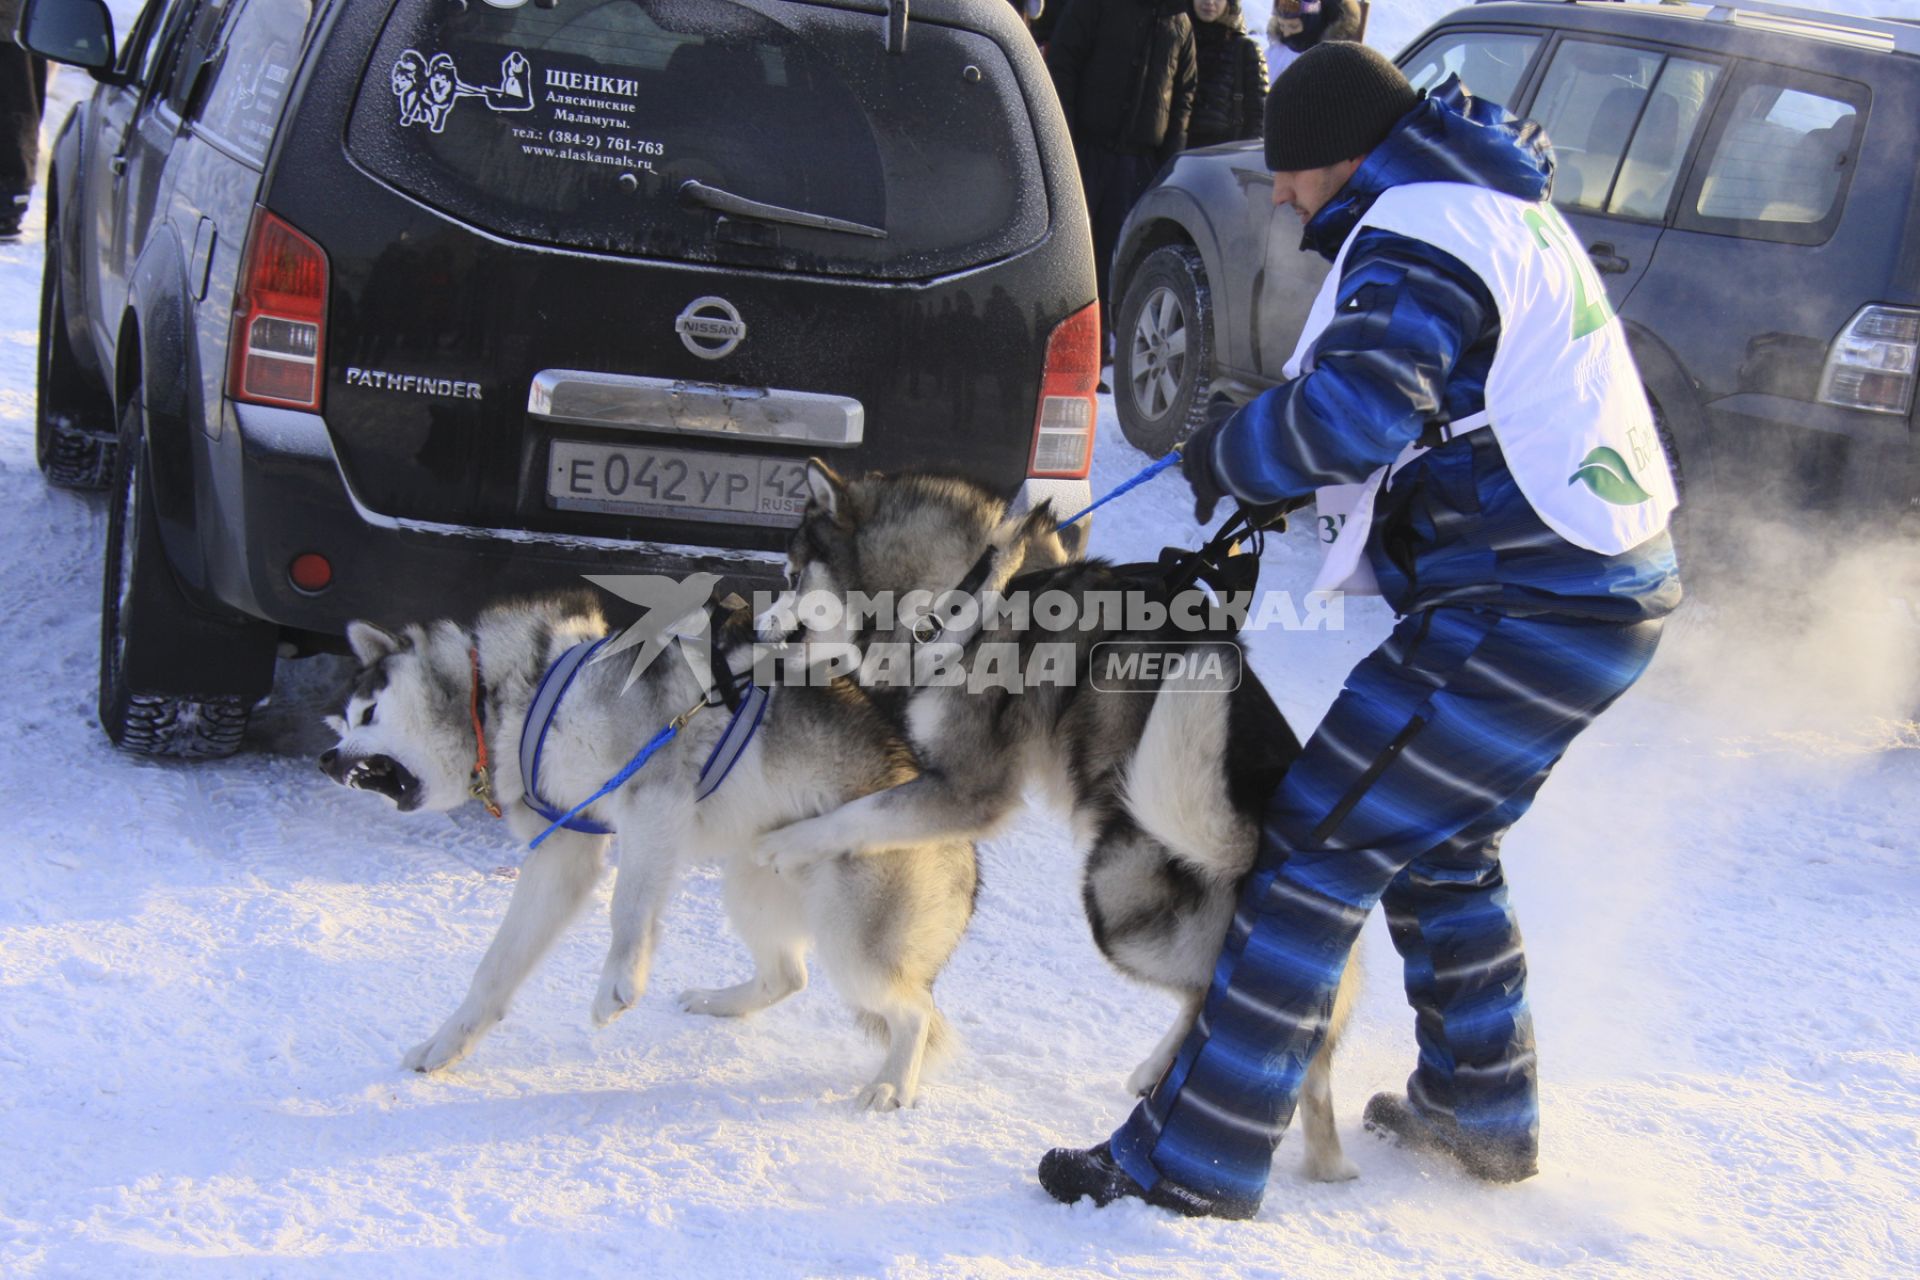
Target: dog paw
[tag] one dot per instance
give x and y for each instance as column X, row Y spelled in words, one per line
column 1320, row 1167
column 617, row 995
column 450, row 1044
column 1145, row 1076
column 792, row 862
column 881, row 1095
column 765, row 849
column 795, row 847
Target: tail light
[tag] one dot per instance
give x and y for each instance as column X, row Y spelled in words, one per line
column 280, row 317
column 1871, row 364
column 1063, row 428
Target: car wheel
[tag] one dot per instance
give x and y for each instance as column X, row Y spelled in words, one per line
column 1683, row 526
column 141, row 611
column 1163, row 364
column 72, row 421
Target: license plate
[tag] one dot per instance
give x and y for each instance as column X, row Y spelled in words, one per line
column 682, row 484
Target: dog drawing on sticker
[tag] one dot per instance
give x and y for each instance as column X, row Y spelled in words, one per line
column 408, row 79
column 443, row 89
column 428, row 87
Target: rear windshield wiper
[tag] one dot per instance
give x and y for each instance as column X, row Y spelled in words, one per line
column 727, row 202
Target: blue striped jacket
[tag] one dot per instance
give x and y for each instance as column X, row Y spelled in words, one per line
column 1412, row 340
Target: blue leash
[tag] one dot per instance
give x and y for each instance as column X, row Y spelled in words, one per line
column 632, row 767
column 1146, row 474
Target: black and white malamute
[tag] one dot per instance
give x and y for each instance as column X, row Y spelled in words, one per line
column 1164, row 779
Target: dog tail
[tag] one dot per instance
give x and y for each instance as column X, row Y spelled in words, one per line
column 1176, row 788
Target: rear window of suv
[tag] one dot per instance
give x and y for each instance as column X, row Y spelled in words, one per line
column 707, row 131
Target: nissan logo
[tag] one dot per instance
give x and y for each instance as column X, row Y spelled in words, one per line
column 711, row 327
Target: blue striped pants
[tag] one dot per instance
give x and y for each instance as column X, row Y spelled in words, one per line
column 1436, row 745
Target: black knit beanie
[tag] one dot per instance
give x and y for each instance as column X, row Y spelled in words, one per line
column 1333, row 102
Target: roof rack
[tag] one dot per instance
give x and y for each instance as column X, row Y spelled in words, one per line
column 1904, row 35
column 1905, row 38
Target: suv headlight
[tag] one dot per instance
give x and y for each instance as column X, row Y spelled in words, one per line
column 1871, row 364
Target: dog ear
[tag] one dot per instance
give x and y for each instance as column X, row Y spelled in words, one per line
column 1022, row 541
column 371, row 642
column 1039, row 522
column 826, row 492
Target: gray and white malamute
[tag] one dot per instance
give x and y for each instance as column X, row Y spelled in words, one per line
column 885, row 925
column 1164, row 781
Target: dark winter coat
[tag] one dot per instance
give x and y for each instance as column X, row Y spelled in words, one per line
column 1125, row 72
column 1411, row 342
column 1230, row 101
column 1336, row 20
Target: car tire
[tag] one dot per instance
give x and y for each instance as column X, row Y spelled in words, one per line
column 1685, row 526
column 73, row 418
column 142, row 611
column 1163, row 361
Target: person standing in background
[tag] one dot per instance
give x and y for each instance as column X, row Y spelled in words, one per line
column 1298, row 25
column 1231, row 101
column 23, row 94
column 1126, row 73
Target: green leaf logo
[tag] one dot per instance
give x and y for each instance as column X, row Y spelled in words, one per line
column 1605, row 472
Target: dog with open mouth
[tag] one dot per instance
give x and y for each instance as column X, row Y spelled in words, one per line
column 436, row 717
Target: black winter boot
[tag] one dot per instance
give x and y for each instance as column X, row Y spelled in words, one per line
column 1068, row 1173
column 1393, row 1115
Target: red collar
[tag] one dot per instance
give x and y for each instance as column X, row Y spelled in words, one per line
column 480, row 781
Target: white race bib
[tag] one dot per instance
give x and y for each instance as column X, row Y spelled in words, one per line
column 1343, row 514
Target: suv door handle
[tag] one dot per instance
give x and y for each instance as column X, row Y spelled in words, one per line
column 1606, row 261
column 118, row 165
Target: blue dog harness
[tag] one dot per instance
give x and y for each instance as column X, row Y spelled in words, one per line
column 539, row 720
column 546, row 701
column 733, row 740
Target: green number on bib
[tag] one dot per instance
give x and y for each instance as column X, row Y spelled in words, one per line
column 1589, row 312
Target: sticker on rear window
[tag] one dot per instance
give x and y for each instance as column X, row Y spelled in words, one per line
column 428, row 87
column 591, row 114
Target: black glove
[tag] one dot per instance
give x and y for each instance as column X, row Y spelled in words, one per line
column 1196, row 458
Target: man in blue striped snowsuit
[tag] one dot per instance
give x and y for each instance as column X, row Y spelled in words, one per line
column 1513, row 637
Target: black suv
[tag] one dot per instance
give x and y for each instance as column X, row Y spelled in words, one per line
column 1742, row 176
column 388, row 307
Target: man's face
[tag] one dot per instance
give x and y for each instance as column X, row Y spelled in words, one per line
column 1308, row 190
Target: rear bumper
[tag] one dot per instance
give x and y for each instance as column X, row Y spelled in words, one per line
column 1821, row 455
column 277, row 492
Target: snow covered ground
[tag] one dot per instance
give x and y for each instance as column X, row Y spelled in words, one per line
column 208, row 974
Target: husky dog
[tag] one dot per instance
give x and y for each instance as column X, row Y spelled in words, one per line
column 885, row 925
column 1165, row 782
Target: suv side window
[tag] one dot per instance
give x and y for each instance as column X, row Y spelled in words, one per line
column 254, row 66
column 153, row 32
column 142, row 44
column 1779, row 158
column 1492, row 64
column 202, row 34
column 1590, row 102
column 1661, row 139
